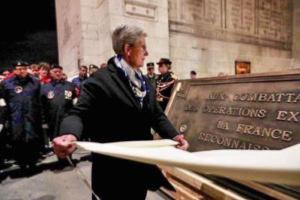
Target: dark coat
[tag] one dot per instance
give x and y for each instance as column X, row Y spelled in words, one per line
column 24, row 116
column 107, row 106
column 57, row 100
column 165, row 84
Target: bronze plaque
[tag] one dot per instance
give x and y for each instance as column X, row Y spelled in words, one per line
column 239, row 112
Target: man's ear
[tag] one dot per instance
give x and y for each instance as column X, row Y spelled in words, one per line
column 127, row 49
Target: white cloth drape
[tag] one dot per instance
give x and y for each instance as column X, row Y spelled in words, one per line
column 272, row 166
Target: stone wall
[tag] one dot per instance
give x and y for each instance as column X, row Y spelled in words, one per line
column 203, row 35
column 221, row 32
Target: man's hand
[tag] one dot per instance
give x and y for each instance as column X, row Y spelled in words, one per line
column 64, row 145
column 182, row 143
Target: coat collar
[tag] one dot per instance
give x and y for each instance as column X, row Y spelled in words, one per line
column 121, row 80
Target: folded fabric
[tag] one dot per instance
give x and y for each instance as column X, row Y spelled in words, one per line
column 272, row 166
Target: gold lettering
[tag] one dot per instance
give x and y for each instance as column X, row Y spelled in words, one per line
column 266, row 132
column 293, row 116
column 287, row 116
column 286, row 136
column 290, row 95
column 297, row 98
column 222, row 125
column 235, row 111
column 228, row 142
column 262, row 97
column 262, row 113
column 273, row 133
column 217, row 96
column 248, row 129
column 271, row 98
column 281, row 115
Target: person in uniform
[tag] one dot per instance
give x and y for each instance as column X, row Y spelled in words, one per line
column 151, row 74
column 57, row 98
column 165, row 82
column 77, row 81
column 92, row 69
column 21, row 94
column 124, row 102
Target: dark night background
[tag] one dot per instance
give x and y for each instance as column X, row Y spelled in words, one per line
column 28, row 32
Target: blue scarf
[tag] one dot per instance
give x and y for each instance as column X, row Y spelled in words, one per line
column 135, row 79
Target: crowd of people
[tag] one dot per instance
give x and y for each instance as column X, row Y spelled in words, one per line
column 34, row 98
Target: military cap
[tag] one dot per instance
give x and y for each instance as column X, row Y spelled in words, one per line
column 150, row 65
column 92, row 66
column 20, row 63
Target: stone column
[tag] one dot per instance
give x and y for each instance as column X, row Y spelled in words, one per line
column 68, row 20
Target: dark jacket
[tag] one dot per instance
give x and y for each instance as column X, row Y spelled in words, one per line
column 24, row 109
column 24, row 117
column 165, row 84
column 57, row 100
column 107, row 106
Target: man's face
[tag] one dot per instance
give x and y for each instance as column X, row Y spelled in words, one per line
column 162, row 68
column 136, row 54
column 21, row 71
column 56, row 74
column 43, row 73
column 82, row 72
column 35, row 72
column 150, row 70
column 5, row 73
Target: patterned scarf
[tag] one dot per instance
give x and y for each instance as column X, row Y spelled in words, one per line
column 135, row 79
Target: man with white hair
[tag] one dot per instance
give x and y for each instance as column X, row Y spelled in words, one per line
column 126, row 101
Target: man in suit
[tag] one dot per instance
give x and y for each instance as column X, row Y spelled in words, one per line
column 119, row 94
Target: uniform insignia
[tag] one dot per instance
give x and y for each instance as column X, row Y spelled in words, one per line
column 50, row 95
column 183, row 128
column 18, row 89
column 174, row 76
column 68, row 94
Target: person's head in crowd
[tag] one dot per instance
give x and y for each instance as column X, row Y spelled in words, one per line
column 103, row 65
column 164, row 65
column 129, row 42
column 150, row 68
column 64, row 77
column 6, row 73
column 56, row 72
column 92, row 69
column 34, row 70
column 44, row 70
column 193, row 74
column 83, row 70
column 21, row 69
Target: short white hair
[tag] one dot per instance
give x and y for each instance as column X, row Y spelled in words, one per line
column 125, row 34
